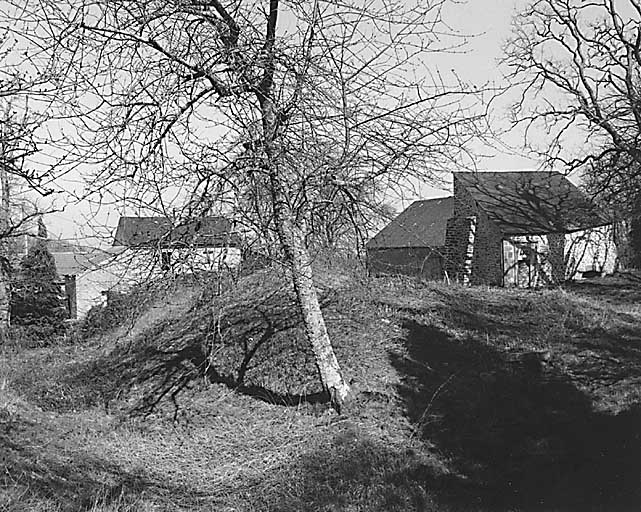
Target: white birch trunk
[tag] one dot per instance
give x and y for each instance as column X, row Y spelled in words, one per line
column 5, row 301
column 5, row 285
column 292, row 240
column 300, row 263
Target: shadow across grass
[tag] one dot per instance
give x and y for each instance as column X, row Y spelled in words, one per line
column 253, row 346
column 595, row 346
column 622, row 290
column 345, row 469
column 355, row 470
column 36, row 474
column 525, row 434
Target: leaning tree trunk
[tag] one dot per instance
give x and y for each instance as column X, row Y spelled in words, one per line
column 292, row 241
column 291, row 236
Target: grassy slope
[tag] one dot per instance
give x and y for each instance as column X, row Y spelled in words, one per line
column 467, row 399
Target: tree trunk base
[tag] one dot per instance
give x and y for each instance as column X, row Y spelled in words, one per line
column 341, row 397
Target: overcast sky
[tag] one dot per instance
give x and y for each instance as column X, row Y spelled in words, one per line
column 490, row 23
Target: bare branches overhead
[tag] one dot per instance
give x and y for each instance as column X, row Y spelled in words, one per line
column 578, row 66
column 292, row 116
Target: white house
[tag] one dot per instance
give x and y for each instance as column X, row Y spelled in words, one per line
column 146, row 248
column 73, row 263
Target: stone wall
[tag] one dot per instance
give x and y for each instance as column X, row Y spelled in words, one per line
column 460, row 240
column 556, row 257
column 487, row 259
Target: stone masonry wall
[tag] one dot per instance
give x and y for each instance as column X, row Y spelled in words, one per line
column 487, row 261
column 460, row 238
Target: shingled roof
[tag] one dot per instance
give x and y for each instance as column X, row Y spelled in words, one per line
column 161, row 232
column 422, row 224
column 532, row 202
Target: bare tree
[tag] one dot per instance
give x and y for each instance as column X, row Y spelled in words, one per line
column 20, row 188
column 577, row 68
column 20, row 183
column 289, row 112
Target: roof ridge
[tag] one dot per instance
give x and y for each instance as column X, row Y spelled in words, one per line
column 511, row 171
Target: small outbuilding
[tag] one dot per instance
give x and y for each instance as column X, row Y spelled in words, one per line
column 523, row 228
column 72, row 266
column 414, row 242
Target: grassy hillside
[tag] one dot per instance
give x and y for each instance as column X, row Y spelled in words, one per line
column 467, row 399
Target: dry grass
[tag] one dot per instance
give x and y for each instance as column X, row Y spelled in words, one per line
column 467, row 399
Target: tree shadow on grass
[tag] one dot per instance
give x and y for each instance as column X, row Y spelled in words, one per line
column 523, row 433
column 253, row 347
column 36, row 475
column 597, row 348
column 353, row 470
column 346, row 470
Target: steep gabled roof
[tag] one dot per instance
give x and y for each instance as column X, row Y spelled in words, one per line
column 531, row 202
column 161, row 232
column 422, row 224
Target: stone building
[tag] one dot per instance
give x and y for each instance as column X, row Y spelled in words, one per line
column 526, row 228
